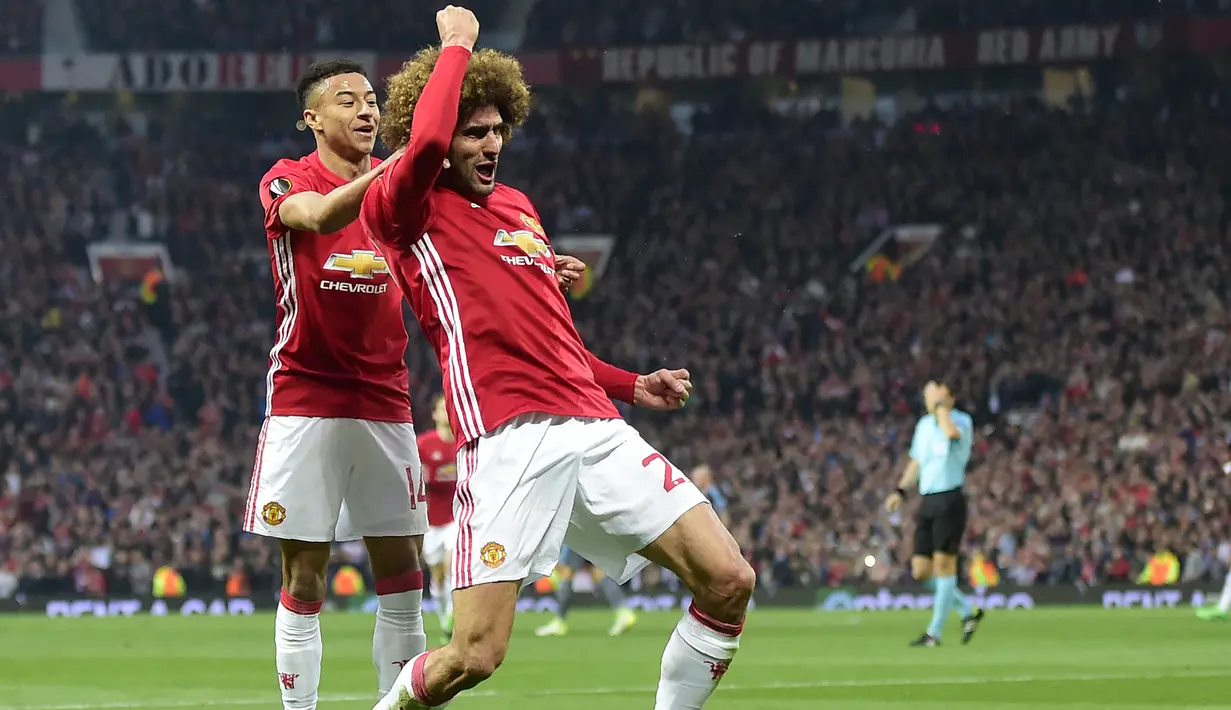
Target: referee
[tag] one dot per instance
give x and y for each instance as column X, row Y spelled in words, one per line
column 939, row 452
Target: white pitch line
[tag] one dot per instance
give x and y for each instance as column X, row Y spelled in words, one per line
column 728, row 687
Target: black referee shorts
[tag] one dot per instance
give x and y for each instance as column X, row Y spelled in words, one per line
column 940, row 522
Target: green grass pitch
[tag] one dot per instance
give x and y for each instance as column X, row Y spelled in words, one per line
column 1074, row 659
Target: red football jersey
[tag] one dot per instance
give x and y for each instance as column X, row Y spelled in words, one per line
column 439, row 465
column 480, row 277
column 340, row 343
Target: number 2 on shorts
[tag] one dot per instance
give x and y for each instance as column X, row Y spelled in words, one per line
column 669, row 479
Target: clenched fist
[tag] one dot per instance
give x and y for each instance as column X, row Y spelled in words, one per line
column 664, row 390
column 568, row 270
column 458, row 27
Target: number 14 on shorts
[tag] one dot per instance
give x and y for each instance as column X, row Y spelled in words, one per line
column 416, row 496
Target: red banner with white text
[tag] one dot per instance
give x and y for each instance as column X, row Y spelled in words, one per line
column 868, row 55
column 161, row 72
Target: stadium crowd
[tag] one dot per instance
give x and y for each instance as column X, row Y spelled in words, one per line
column 1077, row 302
column 21, row 27
column 313, row 25
column 556, row 23
column 278, row 25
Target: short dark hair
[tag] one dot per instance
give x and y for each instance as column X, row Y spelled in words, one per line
column 320, row 71
column 944, row 384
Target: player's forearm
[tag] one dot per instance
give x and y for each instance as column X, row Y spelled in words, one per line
column 618, row 384
column 328, row 213
column 944, row 419
column 909, row 476
column 431, row 129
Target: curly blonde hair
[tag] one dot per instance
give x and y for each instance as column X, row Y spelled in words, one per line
column 492, row 79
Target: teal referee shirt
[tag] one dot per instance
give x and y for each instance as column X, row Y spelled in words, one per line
column 942, row 461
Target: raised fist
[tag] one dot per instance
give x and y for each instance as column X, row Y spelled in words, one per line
column 458, row 27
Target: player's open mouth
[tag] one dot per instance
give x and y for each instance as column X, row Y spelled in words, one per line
column 486, row 172
column 366, row 131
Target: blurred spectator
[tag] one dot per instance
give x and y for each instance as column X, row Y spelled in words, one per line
column 21, row 26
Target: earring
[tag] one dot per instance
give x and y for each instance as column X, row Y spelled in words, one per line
column 446, row 163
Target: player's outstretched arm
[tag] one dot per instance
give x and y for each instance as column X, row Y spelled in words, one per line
column 410, row 179
column 662, row 390
column 309, row 211
column 618, row 384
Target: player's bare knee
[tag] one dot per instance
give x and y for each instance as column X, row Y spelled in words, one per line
column 945, row 565
column 392, row 556
column 728, row 588
column 921, row 568
column 303, row 581
column 304, row 566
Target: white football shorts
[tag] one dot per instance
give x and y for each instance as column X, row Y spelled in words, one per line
column 539, row 482
column 439, row 542
column 322, row 479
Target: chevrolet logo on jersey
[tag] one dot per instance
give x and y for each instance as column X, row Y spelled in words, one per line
column 360, row 264
column 524, row 240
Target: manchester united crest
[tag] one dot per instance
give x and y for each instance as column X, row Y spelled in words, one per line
column 533, row 224
column 492, row 554
column 273, row 514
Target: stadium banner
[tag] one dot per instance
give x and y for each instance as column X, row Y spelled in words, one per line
column 128, row 261
column 594, row 250
column 73, row 607
column 894, row 249
column 184, row 606
column 1007, row 46
column 827, row 599
column 159, row 72
column 1011, row 597
column 182, row 71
